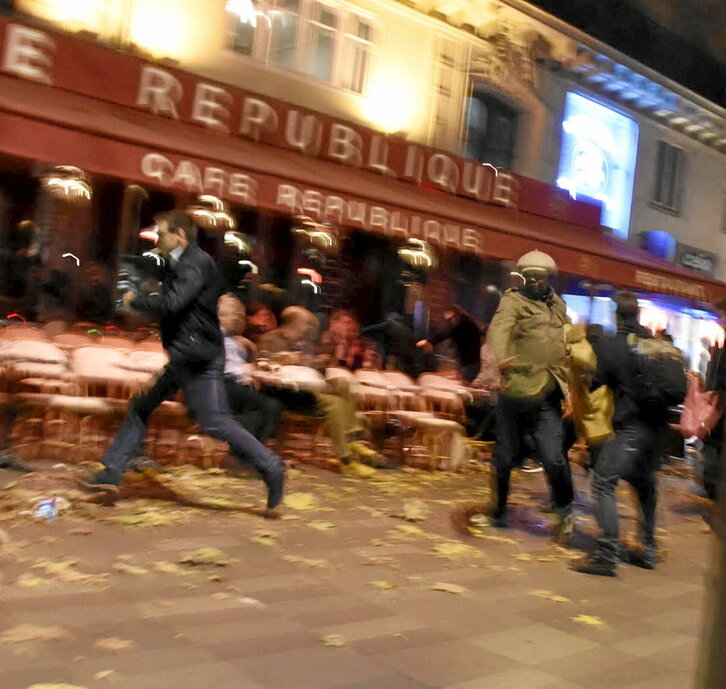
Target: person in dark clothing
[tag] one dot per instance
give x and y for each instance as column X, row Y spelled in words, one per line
column 714, row 442
column 186, row 308
column 633, row 453
column 464, row 333
column 397, row 340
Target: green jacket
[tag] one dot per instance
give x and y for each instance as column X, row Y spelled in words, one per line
column 528, row 340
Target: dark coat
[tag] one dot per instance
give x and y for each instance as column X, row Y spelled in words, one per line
column 616, row 368
column 466, row 338
column 186, row 308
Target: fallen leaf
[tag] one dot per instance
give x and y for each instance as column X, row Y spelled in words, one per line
column 169, row 568
column 149, row 518
column 415, row 510
column 56, row 686
column 103, row 674
column 448, row 588
column 411, row 529
column 265, row 539
column 589, row 620
column 301, row 501
column 222, row 595
column 321, row 526
column 523, row 557
column 334, row 640
column 386, row 585
column 29, row 581
column 126, row 568
column 455, row 549
column 113, row 643
column 379, row 542
column 24, row 633
column 205, row 556
column 310, row 562
column 549, row 595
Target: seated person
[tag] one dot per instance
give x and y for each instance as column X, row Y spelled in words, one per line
column 257, row 412
column 294, row 343
column 342, row 341
column 260, row 320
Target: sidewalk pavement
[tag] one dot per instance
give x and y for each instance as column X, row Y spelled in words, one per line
column 342, row 593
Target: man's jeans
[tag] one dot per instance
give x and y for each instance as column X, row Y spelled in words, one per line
column 206, row 401
column 632, row 454
column 543, row 421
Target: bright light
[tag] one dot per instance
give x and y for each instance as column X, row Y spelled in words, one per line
column 316, row 277
column 316, row 288
column 248, row 264
column 389, row 106
column 244, row 9
column 165, row 28
column 597, row 159
column 150, row 233
column 73, row 256
column 151, row 254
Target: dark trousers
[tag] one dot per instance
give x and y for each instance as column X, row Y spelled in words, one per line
column 481, row 419
column 207, row 404
column 260, row 414
column 632, row 454
column 712, row 459
column 542, row 420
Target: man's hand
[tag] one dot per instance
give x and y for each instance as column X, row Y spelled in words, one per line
column 425, row 345
column 127, row 298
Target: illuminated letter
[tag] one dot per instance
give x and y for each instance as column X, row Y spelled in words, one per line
column 157, row 166
column 452, row 235
column 188, row 175
column 506, row 190
column 334, row 208
column 303, row 132
column 215, row 181
column 244, row 188
column 357, row 212
column 345, row 145
column 475, row 181
column 470, row 240
column 257, row 117
column 414, row 164
column 432, row 231
column 207, row 109
column 312, row 202
column 159, row 91
column 26, row 54
column 379, row 219
column 289, row 197
column 378, row 155
column 442, row 171
column 399, row 224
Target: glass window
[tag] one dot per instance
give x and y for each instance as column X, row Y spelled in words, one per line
column 241, row 25
column 322, row 26
column 284, row 29
column 668, row 177
column 491, row 131
column 359, row 54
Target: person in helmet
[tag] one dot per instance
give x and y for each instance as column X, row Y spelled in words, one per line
column 526, row 335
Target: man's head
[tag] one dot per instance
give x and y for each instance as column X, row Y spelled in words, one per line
column 626, row 307
column 176, row 230
column 231, row 314
column 536, row 269
column 300, row 323
column 343, row 324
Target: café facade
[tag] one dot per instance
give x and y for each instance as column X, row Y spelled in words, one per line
column 127, row 122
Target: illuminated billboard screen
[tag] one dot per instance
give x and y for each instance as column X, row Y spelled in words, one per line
column 597, row 159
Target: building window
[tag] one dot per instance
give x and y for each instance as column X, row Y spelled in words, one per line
column 491, row 130
column 326, row 42
column 668, row 178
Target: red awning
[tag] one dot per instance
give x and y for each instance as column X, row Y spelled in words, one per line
column 43, row 123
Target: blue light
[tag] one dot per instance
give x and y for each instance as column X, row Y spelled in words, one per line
column 597, row 158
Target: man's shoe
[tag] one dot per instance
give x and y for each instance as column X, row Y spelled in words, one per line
column 142, row 463
column 275, row 482
column 645, row 558
column 105, row 484
column 564, row 527
column 529, row 466
column 499, row 522
column 353, row 468
column 594, row 565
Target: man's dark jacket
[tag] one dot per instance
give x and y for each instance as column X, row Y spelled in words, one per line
column 466, row 337
column 617, row 368
column 186, row 308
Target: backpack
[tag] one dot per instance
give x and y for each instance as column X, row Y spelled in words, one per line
column 659, row 380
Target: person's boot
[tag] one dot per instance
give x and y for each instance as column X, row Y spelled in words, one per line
column 595, row 565
column 645, row 557
column 143, row 463
column 106, row 484
column 275, row 481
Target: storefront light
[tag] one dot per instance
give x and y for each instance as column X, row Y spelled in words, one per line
column 212, row 214
column 319, row 235
column 244, row 9
column 389, row 106
column 418, row 254
column 68, row 183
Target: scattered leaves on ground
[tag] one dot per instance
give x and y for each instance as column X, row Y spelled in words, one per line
column 549, row 595
column 113, row 643
column 589, row 620
column 126, row 568
column 385, row 585
column 148, row 518
column 310, row 562
column 205, row 556
column 410, row 529
column 455, row 549
column 334, row 640
column 103, row 674
column 56, row 686
column 301, row 501
column 415, row 510
column 321, row 525
column 448, row 588
column 24, row 633
column 265, row 539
